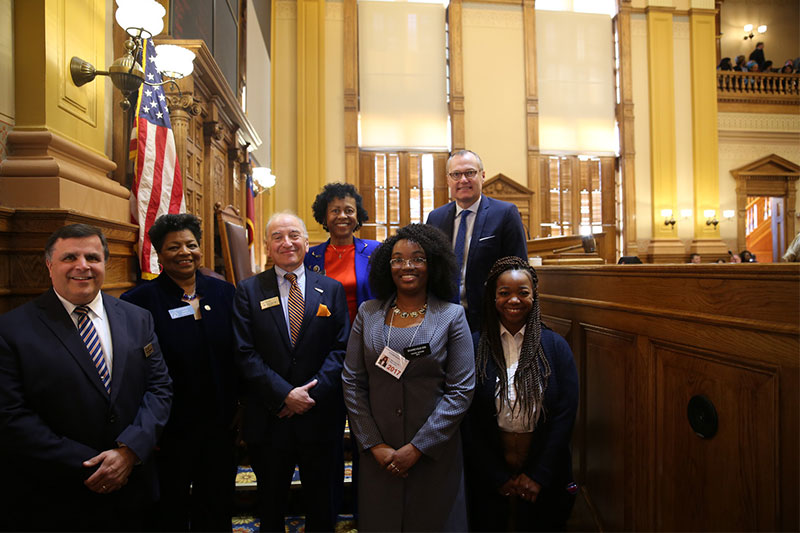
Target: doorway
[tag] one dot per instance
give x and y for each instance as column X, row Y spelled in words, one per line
column 765, row 233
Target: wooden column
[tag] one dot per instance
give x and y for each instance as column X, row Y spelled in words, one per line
column 532, row 116
column 455, row 33
column 626, row 121
column 350, row 53
column 310, row 108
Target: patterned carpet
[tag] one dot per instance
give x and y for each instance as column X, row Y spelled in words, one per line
column 245, row 523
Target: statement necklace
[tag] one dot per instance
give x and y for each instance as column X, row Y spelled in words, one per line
column 413, row 314
column 190, row 297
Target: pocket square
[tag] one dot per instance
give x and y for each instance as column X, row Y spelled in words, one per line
column 323, row 310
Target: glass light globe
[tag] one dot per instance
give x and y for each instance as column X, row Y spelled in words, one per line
column 141, row 14
column 174, row 61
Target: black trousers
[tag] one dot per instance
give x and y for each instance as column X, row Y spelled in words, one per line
column 490, row 511
column 197, row 479
column 321, row 474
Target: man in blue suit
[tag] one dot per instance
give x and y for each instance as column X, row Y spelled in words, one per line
column 84, row 395
column 482, row 229
column 290, row 328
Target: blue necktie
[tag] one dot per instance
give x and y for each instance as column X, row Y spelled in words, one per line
column 92, row 341
column 461, row 241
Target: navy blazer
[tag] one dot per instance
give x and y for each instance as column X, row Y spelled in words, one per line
column 198, row 353
column 55, row 412
column 497, row 232
column 549, row 461
column 271, row 367
column 315, row 260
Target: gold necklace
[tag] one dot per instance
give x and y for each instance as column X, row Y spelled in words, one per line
column 335, row 249
column 413, row 314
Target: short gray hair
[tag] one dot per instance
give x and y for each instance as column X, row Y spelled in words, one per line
column 462, row 153
column 286, row 213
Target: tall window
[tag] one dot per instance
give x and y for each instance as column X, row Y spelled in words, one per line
column 400, row 188
column 580, row 195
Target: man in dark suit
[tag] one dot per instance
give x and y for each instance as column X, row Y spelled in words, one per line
column 84, row 394
column 291, row 328
column 482, row 229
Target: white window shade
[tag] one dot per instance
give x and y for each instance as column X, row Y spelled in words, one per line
column 402, row 76
column 575, row 68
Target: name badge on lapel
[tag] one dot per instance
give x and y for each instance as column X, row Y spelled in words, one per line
column 270, row 302
column 178, row 312
column 420, row 350
column 148, row 350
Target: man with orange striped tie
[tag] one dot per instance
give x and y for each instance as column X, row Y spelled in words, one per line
column 291, row 327
column 84, row 395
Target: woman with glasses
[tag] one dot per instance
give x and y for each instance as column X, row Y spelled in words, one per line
column 343, row 257
column 408, row 380
column 518, row 431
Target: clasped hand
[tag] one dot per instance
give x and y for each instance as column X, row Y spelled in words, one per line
column 396, row 462
column 112, row 474
column 522, row 486
column 298, row 400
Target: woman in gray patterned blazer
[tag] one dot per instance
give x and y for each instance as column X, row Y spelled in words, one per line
column 408, row 380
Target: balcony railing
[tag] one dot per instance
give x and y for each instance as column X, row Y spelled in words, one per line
column 774, row 90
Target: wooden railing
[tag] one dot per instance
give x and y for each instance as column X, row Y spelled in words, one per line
column 763, row 88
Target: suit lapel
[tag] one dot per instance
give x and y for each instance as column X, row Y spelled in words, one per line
column 268, row 282
column 55, row 318
column 311, row 301
column 449, row 221
column 477, row 228
column 120, row 340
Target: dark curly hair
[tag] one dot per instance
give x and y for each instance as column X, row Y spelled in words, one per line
column 169, row 223
column 530, row 379
column 338, row 190
column 441, row 262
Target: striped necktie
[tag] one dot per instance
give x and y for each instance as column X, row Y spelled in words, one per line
column 295, row 307
column 92, row 341
column 458, row 250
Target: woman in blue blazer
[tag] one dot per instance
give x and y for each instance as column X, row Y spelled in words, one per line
column 519, row 427
column 343, row 257
column 193, row 322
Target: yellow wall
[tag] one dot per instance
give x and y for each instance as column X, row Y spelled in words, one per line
column 6, row 71
column 494, row 88
column 334, row 92
column 284, row 158
column 50, row 32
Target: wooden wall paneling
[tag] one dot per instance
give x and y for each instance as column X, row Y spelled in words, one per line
column 441, row 192
column 404, row 192
column 739, row 333
column 696, row 479
column 625, row 119
column 609, row 200
column 532, row 114
column 608, row 376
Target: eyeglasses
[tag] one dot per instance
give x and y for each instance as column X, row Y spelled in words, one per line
column 415, row 262
column 469, row 174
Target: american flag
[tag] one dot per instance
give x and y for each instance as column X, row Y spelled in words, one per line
column 250, row 213
column 157, row 184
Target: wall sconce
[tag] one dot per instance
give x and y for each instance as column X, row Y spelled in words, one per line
column 263, row 178
column 669, row 220
column 141, row 19
column 748, row 30
column 711, row 218
column 728, row 214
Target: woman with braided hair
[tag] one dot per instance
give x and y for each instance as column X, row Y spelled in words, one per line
column 518, row 430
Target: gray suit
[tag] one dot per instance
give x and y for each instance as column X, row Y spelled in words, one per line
column 425, row 407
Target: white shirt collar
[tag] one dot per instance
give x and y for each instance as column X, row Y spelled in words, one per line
column 473, row 207
column 299, row 272
column 95, row 305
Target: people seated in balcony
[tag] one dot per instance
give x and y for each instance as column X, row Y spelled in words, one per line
column 725, row 64
column 695, row 259
column 767, row 67
column 788, row 67
column 757, row 55
column 739, row 67
column 747, row 256
column 751, row 66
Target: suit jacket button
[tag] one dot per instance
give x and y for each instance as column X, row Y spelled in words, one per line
column 112, row 419
column 399, row 412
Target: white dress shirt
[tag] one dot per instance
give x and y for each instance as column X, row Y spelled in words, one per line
column 509, row 415
column 97, row 313
column 470, row 225
column 284, row 286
